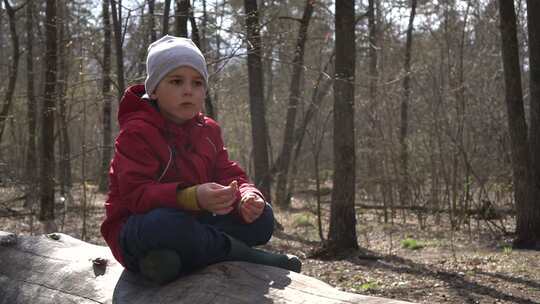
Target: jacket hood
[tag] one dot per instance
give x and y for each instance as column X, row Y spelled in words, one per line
column 134, row 107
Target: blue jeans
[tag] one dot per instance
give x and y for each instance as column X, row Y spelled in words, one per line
column 199, row 241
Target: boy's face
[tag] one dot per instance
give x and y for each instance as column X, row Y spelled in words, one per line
column 180, row 94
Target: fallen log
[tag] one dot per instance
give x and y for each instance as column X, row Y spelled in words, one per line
column 57, row 268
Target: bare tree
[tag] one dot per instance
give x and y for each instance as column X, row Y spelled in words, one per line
column 118, row 44
column 46, row 214
column 525, row 205
column 106, row 95
column 533, row 26
column 256, row 98
column 13, row 69
column 181, row 18
column 166, row 11
column 152, row 21
column 342, row 234
column 197, row 39
column 404, row 127
column 64, row 164
column 31, row 161
column 295, row 94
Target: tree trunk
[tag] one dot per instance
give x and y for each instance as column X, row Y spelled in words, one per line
column 371, row 157
column 106, row 95
column 533, row 9
column 526, row 236
column 118, row 43
column 152, row 21
column 13, row 69
column 31, row 149
column 256, row 98
column 282, row 195
column 46, row 214
column 342, row 234
column 404, row 190
column 196, row 37
column 166, row 11
column 64, row 165
column 60, row 269
column 181, row 18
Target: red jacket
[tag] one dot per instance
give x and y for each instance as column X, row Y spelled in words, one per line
column 153, row 157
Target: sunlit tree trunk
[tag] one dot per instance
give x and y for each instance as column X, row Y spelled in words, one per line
column 256, row 98
column 342, row 234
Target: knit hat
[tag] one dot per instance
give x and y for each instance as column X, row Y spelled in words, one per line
column 169, row 53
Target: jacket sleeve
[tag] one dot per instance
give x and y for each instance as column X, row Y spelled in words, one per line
column 137, row 165
column 226, row 170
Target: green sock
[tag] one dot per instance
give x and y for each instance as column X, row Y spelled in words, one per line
column 242, row 252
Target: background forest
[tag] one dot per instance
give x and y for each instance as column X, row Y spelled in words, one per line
column 367, row 113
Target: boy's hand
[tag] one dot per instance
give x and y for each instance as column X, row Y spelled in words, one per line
column 251, row 207
column 216, row 198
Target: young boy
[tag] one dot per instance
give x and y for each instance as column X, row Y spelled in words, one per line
column 176, row 202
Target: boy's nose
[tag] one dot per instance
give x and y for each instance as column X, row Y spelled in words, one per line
column 188, row 88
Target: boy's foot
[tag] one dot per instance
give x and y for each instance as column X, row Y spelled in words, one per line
column 242, row 252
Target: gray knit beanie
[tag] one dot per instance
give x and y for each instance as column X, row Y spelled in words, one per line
column 169, row 53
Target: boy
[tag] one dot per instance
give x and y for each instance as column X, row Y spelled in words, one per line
column 176, row 202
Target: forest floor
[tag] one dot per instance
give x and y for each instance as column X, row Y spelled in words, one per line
column 399, row 260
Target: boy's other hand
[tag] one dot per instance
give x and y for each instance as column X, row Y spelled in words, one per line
column 216, row 198
column 251, row 207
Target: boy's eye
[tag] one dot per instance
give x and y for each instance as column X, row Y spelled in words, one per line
column 176, row 81
column 198, row 83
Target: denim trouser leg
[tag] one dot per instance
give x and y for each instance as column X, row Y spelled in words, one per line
column 199, row 241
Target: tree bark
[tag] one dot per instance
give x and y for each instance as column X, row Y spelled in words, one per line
column 60, row 269
column 282, row 194
column 181, row 18
column 371, row 157
column 13, row 69
column 256, row 98
column 197, row 39
column 46, row 213
column 64, row 165
column 106, row 95
column 525, row 234
column 166, row 11
column 118, row 43
column 152, row 21
column 31, row 149
column 342, row 234
column 404, row 191
column 533, row 11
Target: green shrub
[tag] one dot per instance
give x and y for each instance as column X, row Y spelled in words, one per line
column 303, row 220
column 411, row 244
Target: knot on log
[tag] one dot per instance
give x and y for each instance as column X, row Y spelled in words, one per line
column 7, row 238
